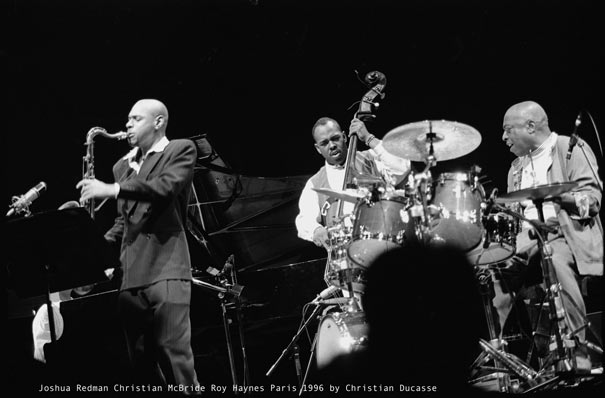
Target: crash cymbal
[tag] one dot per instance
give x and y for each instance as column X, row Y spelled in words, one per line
column 539, row 192
column 343, row 195
column 451, row 140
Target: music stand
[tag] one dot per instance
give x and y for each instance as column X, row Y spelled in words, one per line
column 53, row 251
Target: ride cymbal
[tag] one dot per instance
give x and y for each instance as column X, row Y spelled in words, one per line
column 450, row 140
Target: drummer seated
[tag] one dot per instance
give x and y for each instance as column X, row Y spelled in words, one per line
column 519, row 285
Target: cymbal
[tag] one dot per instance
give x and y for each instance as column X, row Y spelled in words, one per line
column 343, row 195
column 539, row 192
column 452, row 140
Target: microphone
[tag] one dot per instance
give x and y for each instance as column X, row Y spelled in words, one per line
column 21, row 203
column 574, row 137
column 327, row 292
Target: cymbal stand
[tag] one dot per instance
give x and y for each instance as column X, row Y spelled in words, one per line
column 563, row 338
column 564, row 359
column 419, row 211
column 421, row 184
column 495, row 349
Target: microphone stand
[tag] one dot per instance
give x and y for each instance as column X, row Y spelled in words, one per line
column 579, row 142
column 294, row 346
column 228, row 293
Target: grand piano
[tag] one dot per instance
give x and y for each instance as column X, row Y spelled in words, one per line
column 251, row 220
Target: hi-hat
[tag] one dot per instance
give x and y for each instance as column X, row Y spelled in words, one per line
column 450, row 140
column 539, row 192
column 343, row 195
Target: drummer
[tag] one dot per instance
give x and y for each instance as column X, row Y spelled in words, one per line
column 331, row 143
column 542, row 158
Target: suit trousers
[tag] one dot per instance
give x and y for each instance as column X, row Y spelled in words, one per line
column 158, row 332
column 567, row 276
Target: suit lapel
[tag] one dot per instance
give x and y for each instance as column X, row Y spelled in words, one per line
column 124, row 173
column 146, row 168
column 149, row 164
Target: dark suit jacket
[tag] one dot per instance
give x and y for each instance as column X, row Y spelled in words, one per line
column 152, row 208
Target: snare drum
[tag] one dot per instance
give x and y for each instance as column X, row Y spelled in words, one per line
column 458, row 203
column 379, row 227
column 340, row 333
column 499, row 240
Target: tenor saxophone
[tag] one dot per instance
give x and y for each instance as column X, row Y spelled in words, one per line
column 88, row 161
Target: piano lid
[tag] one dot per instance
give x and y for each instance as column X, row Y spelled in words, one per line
column 249, row 217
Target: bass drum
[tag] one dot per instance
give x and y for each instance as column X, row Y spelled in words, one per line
column 340, row 333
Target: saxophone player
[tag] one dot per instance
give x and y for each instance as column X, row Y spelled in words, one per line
column 152, row 187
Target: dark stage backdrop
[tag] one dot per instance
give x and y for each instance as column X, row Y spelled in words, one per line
column 254, row 75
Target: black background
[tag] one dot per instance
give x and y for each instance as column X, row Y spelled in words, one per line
column 255, row 75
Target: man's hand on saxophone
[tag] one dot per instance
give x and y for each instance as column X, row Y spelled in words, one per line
column 91, row 188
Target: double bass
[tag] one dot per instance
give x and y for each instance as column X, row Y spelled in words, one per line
column 377, row 82
column 339, row 271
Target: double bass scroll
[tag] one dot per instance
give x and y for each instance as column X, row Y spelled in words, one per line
column 376, row 81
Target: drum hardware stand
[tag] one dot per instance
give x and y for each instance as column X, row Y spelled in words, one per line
column 586, row 325
column 229, row 293
column 420, row 211
column 564, row 360
column 562, row 356
column 421, row 180
column 496, row 348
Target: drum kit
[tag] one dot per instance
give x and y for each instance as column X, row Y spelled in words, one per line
column 449, row 209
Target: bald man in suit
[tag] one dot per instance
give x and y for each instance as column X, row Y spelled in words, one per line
column 152, row 187
column 577, row 237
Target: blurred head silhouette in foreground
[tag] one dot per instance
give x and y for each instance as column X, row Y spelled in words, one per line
column 425, row 319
